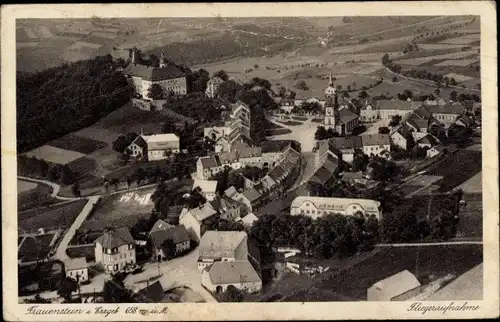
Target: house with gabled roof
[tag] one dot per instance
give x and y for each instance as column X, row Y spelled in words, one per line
column 229, row 258
column 115, row 249
column 153, row 293
column 427, row 141
column 208, row 188
column 177, row 234
column 154, row 147
column 193, row 219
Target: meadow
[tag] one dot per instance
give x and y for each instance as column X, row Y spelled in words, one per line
column 51, row 217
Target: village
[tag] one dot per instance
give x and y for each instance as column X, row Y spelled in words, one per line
column 209, row 187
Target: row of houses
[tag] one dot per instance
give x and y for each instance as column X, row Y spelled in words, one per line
column 445, row 112
column 234, row 130
column 242, row 155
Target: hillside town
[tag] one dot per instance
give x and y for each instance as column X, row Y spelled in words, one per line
column 197, row 186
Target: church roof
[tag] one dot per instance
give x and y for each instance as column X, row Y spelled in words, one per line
column 346, row 115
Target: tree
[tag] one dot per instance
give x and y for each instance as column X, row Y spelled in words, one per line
column 396, row 119
column 453, row 96
column 302, row 85
column 114, row 291
column 37, row 299
column 360, row 161
column 76, row 189
column 169, row 248
column 386, row 60
column 232, row 294
column 67, row 287
column 384, row 130
column 123, row 141
column 256, row 66
column 453, row 82
column 156, row 92
column 459, row 134
column 394, row 79
column 363, row 94
column 222, row 75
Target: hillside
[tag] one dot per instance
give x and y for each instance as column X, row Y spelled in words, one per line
column 63, row 99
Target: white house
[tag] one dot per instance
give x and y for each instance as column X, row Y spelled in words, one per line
column 435, row 151
column 115, row 249
column 208, row 188
column 77, row 269
column 375, row 143
column 398, row 287
column 194, row 218
column 226, row 258
column 154, row 147
column 316, row 207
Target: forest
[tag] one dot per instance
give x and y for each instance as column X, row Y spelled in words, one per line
column 63, row 99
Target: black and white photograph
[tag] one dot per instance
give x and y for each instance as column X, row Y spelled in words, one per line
column 329, row 158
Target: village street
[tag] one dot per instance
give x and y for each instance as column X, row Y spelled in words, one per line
column 181, row 271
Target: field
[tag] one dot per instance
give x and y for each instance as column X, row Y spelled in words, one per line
column 457, row 168
column 461, row 62
column 77, row 144
column 433, row 262
column 462, row 40
column 120, row 210
column 471, row 218
column 55, row 155
column 40, row 195
column 51, row 217
column 25, row 186
column 35, row 247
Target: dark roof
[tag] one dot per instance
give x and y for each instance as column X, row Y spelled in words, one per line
column 251, row 194
column 375, row 139
column 209, row 162
column 422, row 112
column 274, row 146
column 177, row 234
column 140, row 141
column 115, row 238
column 428, row 139
column 346, row 115
column 276, row 173
column 153, row 293
column 153, row 73
column 347, row 142
column 419, row 124
column 322, row 175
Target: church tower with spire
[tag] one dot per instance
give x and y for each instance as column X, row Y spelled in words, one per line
column 331, row 106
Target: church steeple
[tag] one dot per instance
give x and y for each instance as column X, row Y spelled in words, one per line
column 163, row 60
column 331, row 105
column 330, row 91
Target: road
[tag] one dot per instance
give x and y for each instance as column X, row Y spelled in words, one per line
column 181, row 271
column 63, row 245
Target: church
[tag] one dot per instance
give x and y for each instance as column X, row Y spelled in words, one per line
column 339, row 118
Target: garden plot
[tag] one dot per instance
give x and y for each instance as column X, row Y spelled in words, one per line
column 45, row 32
column 31, row 33
column 457, row 77
column 120, row 210
column 438, row 46
column 460, row 62
column 51, row 217
column 25, row 186
column 78, row 144
column 463, row 40
column 55, row 155
column 36, row 247
column 415, row 61
column 106, row 35
column 26, row 44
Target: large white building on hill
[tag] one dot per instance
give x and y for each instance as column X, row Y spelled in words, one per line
column 169, row 77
